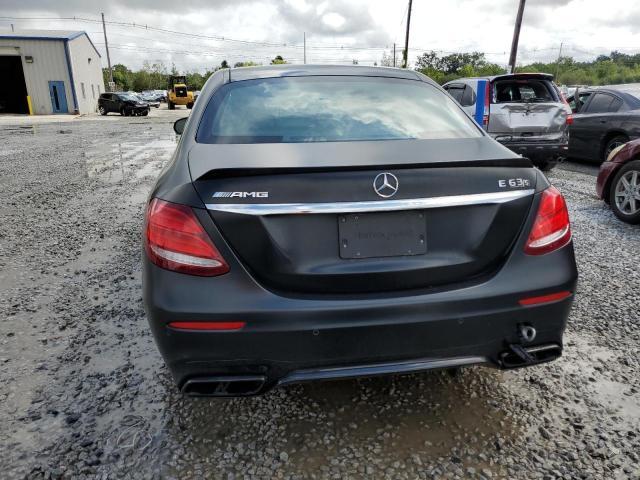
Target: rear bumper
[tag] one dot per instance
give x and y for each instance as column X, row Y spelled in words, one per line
column 551, row 152
column 288, row 340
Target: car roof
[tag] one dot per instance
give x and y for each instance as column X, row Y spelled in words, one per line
column 615, row 91
column 507, row 76
column 288, row 70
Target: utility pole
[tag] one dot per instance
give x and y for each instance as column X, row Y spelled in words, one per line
column 304, row 39
column 516, row 38
column 394, row 55
column 406, row 38
column 558, row 65
column 106, row 46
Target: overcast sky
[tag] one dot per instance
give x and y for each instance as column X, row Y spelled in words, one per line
column 336, row 29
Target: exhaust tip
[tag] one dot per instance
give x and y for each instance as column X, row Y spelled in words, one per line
column 514, row 358
column 224, row 386
column 527, row 333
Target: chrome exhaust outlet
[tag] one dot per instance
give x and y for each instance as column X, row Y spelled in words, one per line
column 223, row 386
column 519, row 356
column 527, row 333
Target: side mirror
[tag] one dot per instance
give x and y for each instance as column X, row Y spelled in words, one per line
column 178, row 125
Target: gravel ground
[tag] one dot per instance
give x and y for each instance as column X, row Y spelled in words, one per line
column 85, row 394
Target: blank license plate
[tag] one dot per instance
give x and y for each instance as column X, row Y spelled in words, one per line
column 382, row 234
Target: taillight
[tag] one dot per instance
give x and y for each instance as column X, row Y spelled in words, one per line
column 551, row 229
column 174, row 239
column 567, row 107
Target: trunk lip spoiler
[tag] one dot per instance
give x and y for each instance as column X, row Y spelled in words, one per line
column 261, row 209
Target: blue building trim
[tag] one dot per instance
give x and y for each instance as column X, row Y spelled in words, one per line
column 76, row 108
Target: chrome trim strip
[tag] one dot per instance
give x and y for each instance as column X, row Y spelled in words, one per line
column 371, row 206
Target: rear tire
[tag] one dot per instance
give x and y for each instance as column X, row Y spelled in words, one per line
column 171, row 105
column 102, row 110
column 190, row 105
column 615, row 142
column 624, row 194
column 145, row 113
column 123, row 112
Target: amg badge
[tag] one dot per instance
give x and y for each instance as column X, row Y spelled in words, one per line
column 240, row 194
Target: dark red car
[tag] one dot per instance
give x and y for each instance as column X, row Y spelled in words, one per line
column 619, row 181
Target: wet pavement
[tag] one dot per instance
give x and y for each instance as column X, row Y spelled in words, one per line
column 85, row 394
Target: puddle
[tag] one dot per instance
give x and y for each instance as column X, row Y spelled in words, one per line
column 615, row 396
column 128, row 161
column 7, row 153
column 30, row 129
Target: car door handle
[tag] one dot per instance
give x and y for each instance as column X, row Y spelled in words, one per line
column 603, row 121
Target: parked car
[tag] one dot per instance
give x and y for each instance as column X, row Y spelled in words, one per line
column 618, row 182
column 524, row 111
column 604, row 119
column 151, row 94
column 122, row 103
column 150, row 99
column 322, row 222
column 161, row 94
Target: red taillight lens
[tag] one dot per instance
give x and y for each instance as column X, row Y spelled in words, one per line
column 175, row 240
column 551, row 229
column 552, row 297
column 569, row 119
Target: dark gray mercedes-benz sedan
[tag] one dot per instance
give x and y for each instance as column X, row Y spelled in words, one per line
column 321, row 222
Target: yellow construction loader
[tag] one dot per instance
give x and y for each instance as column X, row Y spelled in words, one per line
column 178, row 94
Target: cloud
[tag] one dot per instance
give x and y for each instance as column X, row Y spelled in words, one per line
column 331, row 18
column 586, row 27
column 94, row 7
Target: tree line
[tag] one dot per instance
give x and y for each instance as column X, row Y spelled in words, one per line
column 611, row 69
column 614, row 68
column 155, row 76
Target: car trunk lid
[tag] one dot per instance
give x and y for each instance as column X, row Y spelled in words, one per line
column 394, row 219
column 526, row 107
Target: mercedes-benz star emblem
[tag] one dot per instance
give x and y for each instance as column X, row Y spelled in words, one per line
column 385, row 184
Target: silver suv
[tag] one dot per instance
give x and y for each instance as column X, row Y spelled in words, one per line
column 524, row 111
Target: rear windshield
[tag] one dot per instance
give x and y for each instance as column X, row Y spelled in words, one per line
column 331, row 109
column 523, row 90
column 128, row 96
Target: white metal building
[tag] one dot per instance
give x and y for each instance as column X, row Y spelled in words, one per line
column 49, row 71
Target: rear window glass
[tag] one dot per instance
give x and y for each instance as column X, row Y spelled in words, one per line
column 523, row 90
column 331, row 109
column 602, row 102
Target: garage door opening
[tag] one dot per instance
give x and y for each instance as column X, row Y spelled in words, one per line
column 13, row 94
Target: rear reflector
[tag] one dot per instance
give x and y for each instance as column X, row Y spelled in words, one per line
column 551, row 229
column 552, row 297
column 174, row 239
column 207, row 325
